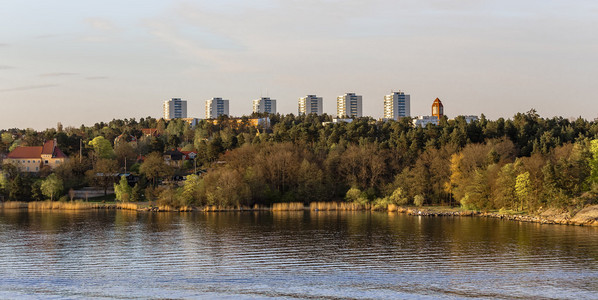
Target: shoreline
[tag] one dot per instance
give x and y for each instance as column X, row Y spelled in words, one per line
column 587, row 216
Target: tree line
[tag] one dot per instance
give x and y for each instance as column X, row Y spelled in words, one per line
column 523, row 163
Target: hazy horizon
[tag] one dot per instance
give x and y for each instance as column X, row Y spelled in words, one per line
column 80, row 62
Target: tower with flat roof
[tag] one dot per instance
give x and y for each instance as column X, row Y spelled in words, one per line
column 216, row 107
column 349, row 105
column 397, row 105
column 175, row 108
column 310, row 104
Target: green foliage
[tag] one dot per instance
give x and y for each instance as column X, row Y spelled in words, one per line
column 397, row 197
column 154, row 168
column 103, row 173
column 418, row 200
column 52, row 186
column 523, row 188
column 122, row 190
column 593, row 162
column 102, row 147
column 301, row 159
column 353, row 195
column 136, row 193
column 191, row 191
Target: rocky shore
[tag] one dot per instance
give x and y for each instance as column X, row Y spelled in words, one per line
column 585, row 217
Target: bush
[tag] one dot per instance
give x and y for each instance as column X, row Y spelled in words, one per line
column 398, row 198
column 353, row 195
column 418, row 200
column 170, row 197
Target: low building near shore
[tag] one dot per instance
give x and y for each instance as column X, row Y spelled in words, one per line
column 32, row 159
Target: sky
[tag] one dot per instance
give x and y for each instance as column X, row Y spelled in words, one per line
column 82, row 62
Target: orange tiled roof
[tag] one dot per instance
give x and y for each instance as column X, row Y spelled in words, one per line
column 49, row 148
column 25, row 152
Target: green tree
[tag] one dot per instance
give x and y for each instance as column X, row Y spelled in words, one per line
column 593, row 163
column 125, row 154
column 523, row 188
column 52, row 186
column 123, row 190
column 191, row 193
column 101, row 147
column 504, row 192
column 154, row 168
column 136, row 193
column 103, row 173
column 398, row 197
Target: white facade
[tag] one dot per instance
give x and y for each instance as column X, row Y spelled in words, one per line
column 216, row 107
column 348, row 105
column 470, row 118
column 310, row 104
column 423, row 121
column 397, row 105
column 175, row 108
column 264, row 105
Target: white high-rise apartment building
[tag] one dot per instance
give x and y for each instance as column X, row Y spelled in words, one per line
column 175, row 108
column 397, row 105
column 348, row 105
column 216, row 107
column 310, row 104
column 264, row 105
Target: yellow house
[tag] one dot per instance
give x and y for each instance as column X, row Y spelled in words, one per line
column 32, row 159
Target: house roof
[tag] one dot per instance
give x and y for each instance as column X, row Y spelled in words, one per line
column 58, row 153
column 149, row 131
column 26, row 152
column 49, row 148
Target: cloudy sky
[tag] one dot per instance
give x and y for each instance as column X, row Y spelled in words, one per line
column 81, row 62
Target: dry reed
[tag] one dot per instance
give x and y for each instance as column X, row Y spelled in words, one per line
column 13, row 205
column 127, row 206
column 287, row 206
column 327, row 206
column 56, row 205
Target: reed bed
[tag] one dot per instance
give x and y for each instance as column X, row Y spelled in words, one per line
column 288, row 206
column 56, row 205
column 392, row 207
column 127, row 206
column 167, row 208
column 13, row 205
column 329, row 206
column 185, row 208
column 217, row 208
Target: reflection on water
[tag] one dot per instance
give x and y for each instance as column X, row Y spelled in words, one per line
column 124, row 254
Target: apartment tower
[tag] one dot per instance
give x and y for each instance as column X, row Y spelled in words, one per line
column 175, row 108
column 397, row 105
column 216, row 107
column 348, row 105
column 310, row 104
column 264, row 105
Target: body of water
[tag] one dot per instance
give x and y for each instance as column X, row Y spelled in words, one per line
column 319, row 255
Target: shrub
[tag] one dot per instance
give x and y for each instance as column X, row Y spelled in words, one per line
column 398, row 198
column 418, row 200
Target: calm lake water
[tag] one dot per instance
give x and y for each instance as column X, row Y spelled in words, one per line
column 142, row 255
